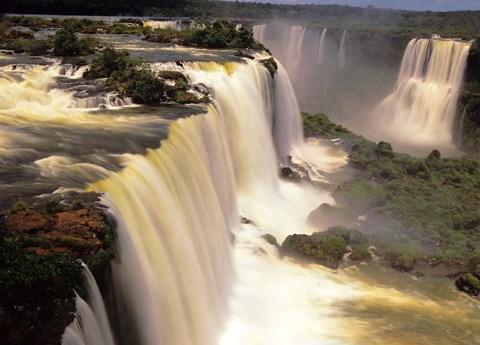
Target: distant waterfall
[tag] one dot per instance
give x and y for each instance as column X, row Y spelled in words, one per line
column 421, row 109
column 90, row 325
column 167, row 24
column 320, row 46
column 176, row 206
column 342, row 50
column 259, row 32
column 294, row 49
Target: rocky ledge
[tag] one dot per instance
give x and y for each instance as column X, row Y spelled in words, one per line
column 42, row 241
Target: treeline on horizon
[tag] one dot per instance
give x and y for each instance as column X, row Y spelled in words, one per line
column 465, row 24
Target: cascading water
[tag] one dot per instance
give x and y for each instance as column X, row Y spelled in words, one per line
column 176, row 205
column 421, row 109
column 166, row 24
column 287, row 126
column 295, row 43
column 106, row 101
column 342, row 50
column 259, row 32
column 91, row 324
column 320, row 46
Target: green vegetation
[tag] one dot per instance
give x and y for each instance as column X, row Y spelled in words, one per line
column 132, row 78
column 417, row 208
column 468, row 108
column 219, row 34
column 328, row 247
column 359, row 195
column 319, row 125
column 326, row 215
column 141, row 84
column 67, row 43
column 39, row 267
column 271, row 66
column 30, row 46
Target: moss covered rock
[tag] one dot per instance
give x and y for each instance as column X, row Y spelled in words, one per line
column 360, row 195
column 326, row 216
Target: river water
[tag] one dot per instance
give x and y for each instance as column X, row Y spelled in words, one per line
column 189, row 272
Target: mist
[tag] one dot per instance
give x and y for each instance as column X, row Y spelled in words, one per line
column 413, row 5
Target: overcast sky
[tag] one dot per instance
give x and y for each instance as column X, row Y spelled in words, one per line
column 420, row 5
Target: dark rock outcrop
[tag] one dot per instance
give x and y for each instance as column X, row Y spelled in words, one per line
column 41, row 241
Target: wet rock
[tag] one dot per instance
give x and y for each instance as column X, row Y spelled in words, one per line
column 469, row 283
column 294, row 173
column 271, row 239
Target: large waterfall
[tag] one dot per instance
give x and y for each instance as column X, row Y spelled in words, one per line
column 421, row 109
column 176, row 206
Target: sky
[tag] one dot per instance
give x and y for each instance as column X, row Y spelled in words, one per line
column 417, row 5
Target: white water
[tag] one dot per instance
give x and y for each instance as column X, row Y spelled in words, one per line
column 294, row 48
column 90, row 326
column 421, row 109
column 176, row 206
column 342, row 50
column 259, row 32
column 167, row 24
column 287, row 126
column 320, row 46
column 106, row 101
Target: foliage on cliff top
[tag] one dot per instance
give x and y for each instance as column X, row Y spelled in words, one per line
column 433, row 201
column 39, row 268
column 133, row 78
column 217, row 34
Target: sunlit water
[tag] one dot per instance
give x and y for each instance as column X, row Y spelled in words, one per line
column 182, row 280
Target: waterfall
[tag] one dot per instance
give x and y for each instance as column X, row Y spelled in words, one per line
column 342, row 50
column 287, row 129
column 90, row 325
column 109, row 100
column 295, row 43
column 259, row 32
column 167, row 24
column 176, row 206
column 320, row 46
column 421, row 109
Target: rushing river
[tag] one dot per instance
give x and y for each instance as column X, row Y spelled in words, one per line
column 177, row 179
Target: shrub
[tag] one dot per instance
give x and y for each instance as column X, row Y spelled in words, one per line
column 31, row 46
column 110, row 61
column 87, row 45
column 19, row 206
column 65, row 43
column 360, row 195
column 360, row 252
column 271, row 66
column 142, row 85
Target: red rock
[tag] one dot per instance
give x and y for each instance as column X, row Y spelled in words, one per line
column 29, row 222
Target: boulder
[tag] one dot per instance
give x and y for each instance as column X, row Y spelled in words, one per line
column 469, row 283
column 326, row 216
